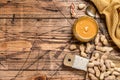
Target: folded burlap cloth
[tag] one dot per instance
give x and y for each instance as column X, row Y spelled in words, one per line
column 111, row 10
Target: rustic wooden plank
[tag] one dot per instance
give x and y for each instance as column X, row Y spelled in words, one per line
column 48, row 62
column 61, row 75
column 39, row 22
column 14, row 64
column 48, row 30
column 34, row 1
column 49, row 59
column 15, row 46
column 31, row 25
column 37, row 9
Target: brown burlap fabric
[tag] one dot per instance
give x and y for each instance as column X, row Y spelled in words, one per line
column 111, row 10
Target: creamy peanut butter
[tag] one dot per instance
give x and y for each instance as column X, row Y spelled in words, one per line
column 85, row 28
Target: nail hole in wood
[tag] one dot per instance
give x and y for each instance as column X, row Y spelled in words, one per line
column 69, row 60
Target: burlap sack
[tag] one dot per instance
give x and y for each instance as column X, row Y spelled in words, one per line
column 111, row 10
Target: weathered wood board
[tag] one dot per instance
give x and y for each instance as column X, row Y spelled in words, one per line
column 34, row 38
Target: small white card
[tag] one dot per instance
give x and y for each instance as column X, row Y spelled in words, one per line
column 76, row 62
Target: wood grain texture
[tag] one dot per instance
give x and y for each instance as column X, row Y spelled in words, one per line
column 46, row 34
column 37, row 9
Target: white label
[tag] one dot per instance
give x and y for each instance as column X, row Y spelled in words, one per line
column 80, row 63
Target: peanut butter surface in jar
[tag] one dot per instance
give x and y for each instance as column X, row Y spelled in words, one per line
column 85, row 28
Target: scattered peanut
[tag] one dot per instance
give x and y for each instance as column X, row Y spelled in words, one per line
column 81, row 6
column 102, row 76
column 83, row 54
column 111, row 77
column 108, row 49
column 90, row 64
column 107, row 64
column 108, row 73
column 97, row 55
column 101, row 62
column 104, row 40
column 73, row 15
column 92, row 58
column 89, row 48
column 91, row 70
column 117, row 69
column 82, row 49
column 105, row 56
column 92, row 77
column 103, row 68
column 72, row 10
column 97, row 39
column 96, row 63
column 72, row 47
column 87, row 76
column 102, row 65
column 97, row 71
column 116, row 73
column 103, row 49
column 100, row 48
column 99, row 66
column 112, row 64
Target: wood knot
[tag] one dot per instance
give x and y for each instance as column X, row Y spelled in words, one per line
column 39, row 78
column 8, row 1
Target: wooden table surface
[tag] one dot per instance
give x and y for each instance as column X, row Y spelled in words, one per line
column 35, row 36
